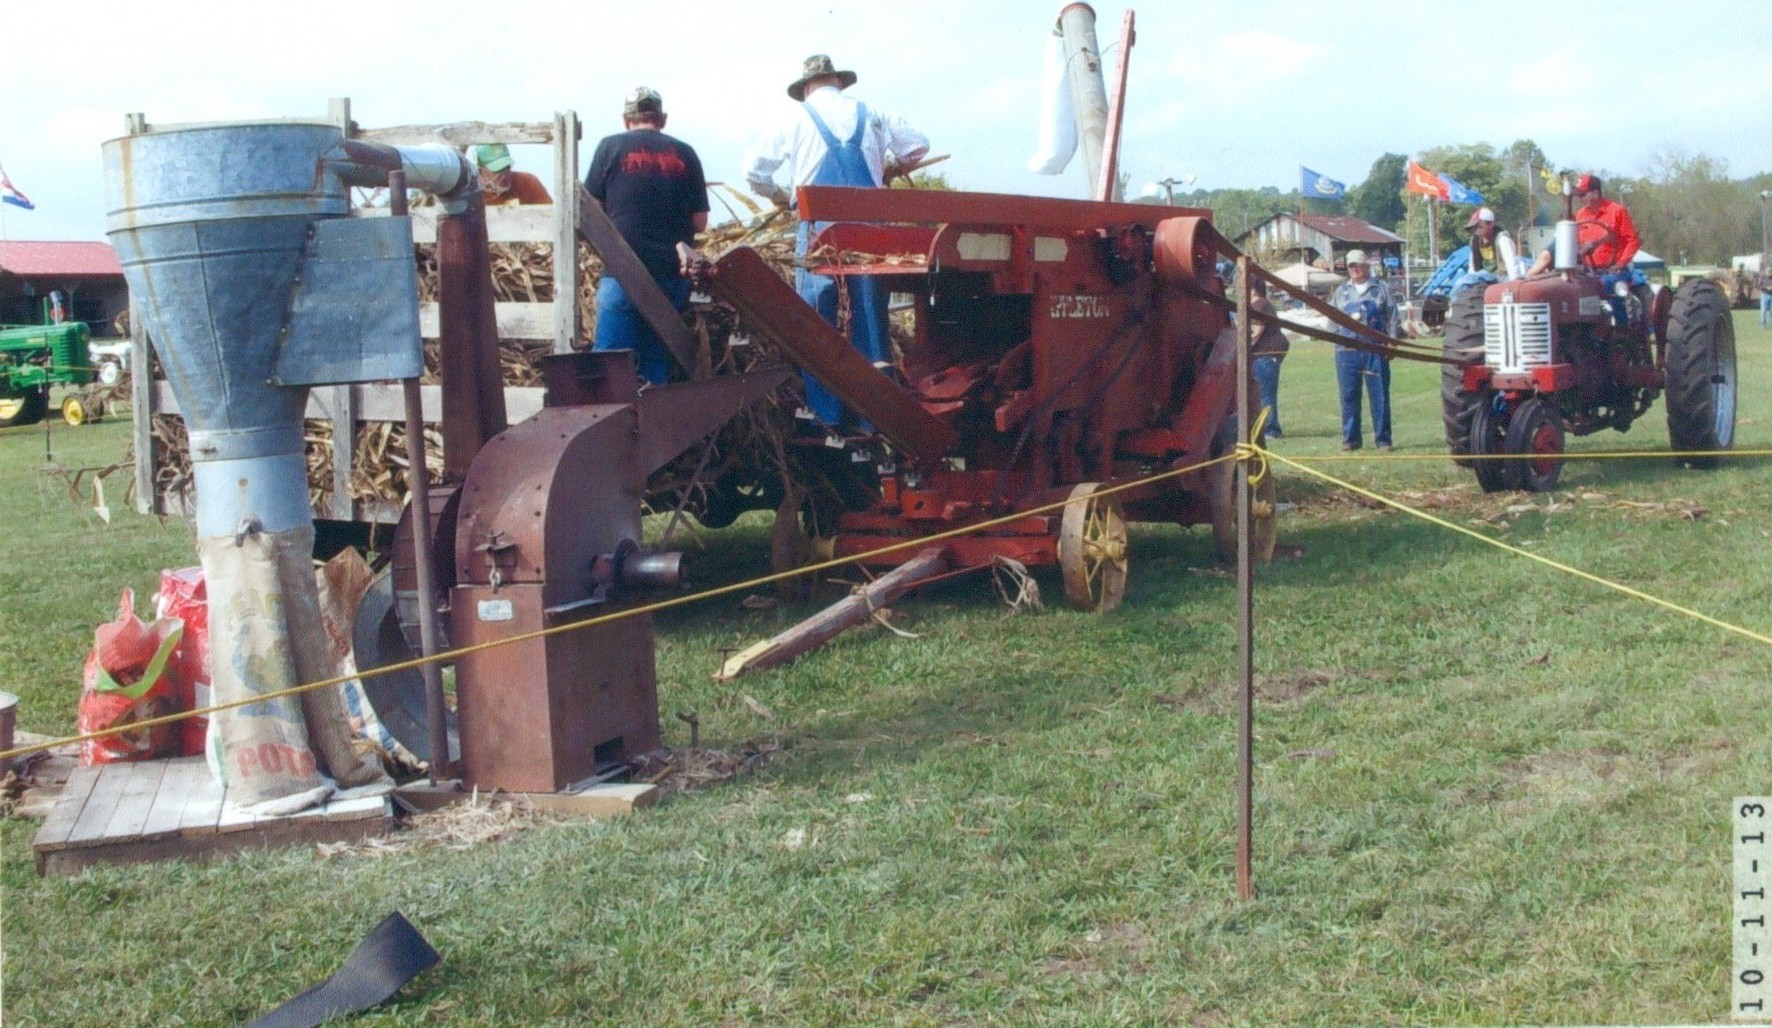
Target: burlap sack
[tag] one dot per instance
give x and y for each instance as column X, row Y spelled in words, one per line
column 266, row 634
column 342, row 581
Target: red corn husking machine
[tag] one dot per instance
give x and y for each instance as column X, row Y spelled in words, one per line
column 1060, row 347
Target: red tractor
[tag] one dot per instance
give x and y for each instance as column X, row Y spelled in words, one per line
column 1574, row 351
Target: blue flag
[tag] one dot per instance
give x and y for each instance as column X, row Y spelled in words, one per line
column 1320, row 187
column 1457, row 192
column 10, row 193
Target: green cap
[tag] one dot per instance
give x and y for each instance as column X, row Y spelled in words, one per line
column 642, row 100
column 493, row 156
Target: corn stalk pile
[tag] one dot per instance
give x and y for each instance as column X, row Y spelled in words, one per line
column 748, row 453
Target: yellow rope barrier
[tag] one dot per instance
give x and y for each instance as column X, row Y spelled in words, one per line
column 677, row 601
column 1590, row 455
column 1498, row 544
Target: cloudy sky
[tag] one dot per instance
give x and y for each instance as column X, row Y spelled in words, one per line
column 1233, row 93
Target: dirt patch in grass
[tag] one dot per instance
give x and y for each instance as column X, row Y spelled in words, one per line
column 1113, row 945
column 1697, row 760
column 687, row 770
column 1075, row 967
column 459, row 826
column 1291, row 686
column 1219, row 698
column 1583, row 776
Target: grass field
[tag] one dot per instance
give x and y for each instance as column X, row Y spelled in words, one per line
column 1485, row 792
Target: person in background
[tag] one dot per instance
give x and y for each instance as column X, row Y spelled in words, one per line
column 1266, row 353
column 832, row 139
column 1492, row 249
column 1368, row 301
column 1765, row 284
column 500, row 184
column 652, row 187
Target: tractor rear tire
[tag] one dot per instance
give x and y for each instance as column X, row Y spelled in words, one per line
column 1488, row 438
column 25, row 409
column 1464, row 345
column 1700, row 372
column 1534, row 434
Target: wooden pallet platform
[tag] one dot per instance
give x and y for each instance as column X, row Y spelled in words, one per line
column 173, row 809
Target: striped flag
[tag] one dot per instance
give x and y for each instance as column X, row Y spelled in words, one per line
column 1420, row 180
column 10, row 193
column 1458, row 192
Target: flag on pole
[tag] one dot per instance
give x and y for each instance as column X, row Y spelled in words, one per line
column 1420, row 180
column 1320, row 187
column 10, row 193
column 1458, row 192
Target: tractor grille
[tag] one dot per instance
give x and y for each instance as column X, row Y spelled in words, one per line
column 1517, row 336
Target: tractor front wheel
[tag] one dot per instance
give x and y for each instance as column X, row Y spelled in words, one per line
column 1535, row 434
column 1700, row 372
column 74, row 410
column 1463, row 346
column 26, row 408
column 1488, row 438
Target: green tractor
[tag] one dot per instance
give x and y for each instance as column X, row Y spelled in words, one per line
column 35, row 357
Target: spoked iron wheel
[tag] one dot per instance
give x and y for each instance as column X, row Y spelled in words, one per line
column 1092, row 550
column 1488, row 439
column 1535, row 432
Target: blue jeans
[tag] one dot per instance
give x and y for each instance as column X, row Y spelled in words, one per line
column 1351, row 367
column 620, row 326
column 867, row 330
column 1267, row 376
column 1766, row 309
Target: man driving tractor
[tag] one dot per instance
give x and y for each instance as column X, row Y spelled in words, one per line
column 1608, row 238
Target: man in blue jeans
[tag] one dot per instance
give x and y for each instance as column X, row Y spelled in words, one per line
column 1368, row 301
column 1265, row 354
column 652, row 188
column 1765, row 284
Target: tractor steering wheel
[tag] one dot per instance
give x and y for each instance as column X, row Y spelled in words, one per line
column 1589, row 228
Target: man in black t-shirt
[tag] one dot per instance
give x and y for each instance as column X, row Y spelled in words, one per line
column 652, row 187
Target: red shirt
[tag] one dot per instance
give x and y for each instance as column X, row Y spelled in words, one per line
column 524, row 188
column 1615, row 249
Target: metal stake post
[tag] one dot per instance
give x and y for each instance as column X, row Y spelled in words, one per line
column 418, row 488
column 1245, row 604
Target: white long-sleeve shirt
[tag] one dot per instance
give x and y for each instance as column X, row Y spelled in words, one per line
column 797, row 142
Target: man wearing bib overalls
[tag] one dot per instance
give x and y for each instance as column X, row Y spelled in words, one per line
column 834, row 140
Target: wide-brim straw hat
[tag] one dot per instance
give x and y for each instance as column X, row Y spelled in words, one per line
column 815, row 66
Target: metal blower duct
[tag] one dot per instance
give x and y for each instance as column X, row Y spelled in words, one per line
column 254, row 284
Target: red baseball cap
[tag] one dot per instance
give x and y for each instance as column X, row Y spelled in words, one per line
column 1587, row 184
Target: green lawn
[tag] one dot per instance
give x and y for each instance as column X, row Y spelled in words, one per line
column 1485, row 792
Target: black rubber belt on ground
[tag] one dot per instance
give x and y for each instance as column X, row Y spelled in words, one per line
column 392, row 954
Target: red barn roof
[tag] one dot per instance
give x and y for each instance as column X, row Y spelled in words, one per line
column 35, row 258
column 1338, row 227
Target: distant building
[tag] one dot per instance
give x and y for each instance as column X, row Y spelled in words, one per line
column 87, row 274
column 1285, row 238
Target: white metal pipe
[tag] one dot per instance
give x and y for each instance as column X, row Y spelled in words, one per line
column 1088, row 88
